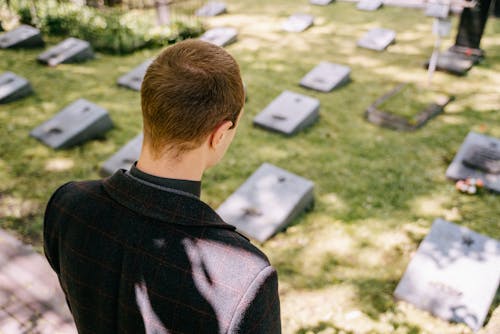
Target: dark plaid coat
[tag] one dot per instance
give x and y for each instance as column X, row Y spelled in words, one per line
column 135, row 258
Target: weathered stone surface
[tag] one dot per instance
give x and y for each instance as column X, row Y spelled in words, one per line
column 320, row 2
column 298, row 22
column 462, row 168
column 71, row 50
column 369, row 5
column 454, row 274
column 13, row 87
column 212, row 8
column 133, row 79
column 75, row 124
column 124, row 158
column 289, row 113
column 221, row 36
column 23, row 36
column 437, row 9
column 267, row 202
column 453, row 63
column 326, row 76
column 377, row 39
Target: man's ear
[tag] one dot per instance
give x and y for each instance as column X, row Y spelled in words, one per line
column 219, row 132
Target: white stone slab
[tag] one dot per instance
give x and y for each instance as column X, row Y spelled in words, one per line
column 133, row 79
column 460, row 169
column 75, row 124
column 267, row 202
column 320, row 2
column 377, row 39
column 124, row 158
column 71, row 50
column 289, row 113
column 212, row 8
column 23, row 36
column 326, row 76
column 13, row 87
column 454, row 274
column 369, row 5
column 220, row 36
column 438, row 9
column 298, row 22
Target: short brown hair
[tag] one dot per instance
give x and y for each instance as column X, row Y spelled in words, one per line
column 188, row 90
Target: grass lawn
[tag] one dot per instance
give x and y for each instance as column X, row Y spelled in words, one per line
column 377, row 190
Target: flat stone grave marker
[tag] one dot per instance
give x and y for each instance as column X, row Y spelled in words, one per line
column 377, row 39
column 369, row 5
column 437, row 9
column 289, row 113
column 269, row 200
column 453, row 63
column 320, row 2
column 23, row 36
column 326, row 76
column 454, row 274
column 75, row 124
column 133, row 79
column 220, row 36
column 298, row 22
column 13, row 87
column 124, row 158
column 71, row 50
column 212, row 8
column 478, row 157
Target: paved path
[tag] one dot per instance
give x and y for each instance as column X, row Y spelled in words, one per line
column 31, row 300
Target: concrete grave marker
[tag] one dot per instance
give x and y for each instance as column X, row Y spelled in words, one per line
column 377, row 39
column 71, row 50
column 133, row 79
column 212, row 8
column 438, row 9
column 369, row 5
column 320, row 2
column 326, row 76
column 454, row 274
column 124, row 158
column 453, row 63
column 23, row 36
column 478, row 157
column 289, row 113
column 13, row 87
column 298, row 22
column 267, row 202
column 75, row 124
column 221, row 36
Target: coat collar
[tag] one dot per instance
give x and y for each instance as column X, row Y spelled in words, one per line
column 160, row 203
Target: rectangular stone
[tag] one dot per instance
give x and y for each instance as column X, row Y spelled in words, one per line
column 75, row 124
column 220, row 36
column 437, row 9
column 133, row 79
column 267, row 202
column 377, row 39
column 454, row 274
column 124, row 158
column 320, row 2
column 464, row 166
column 453, row 63
column 212, row 8
column 326, row 76
column 13, row 87
column 298, row 22
column 369, row 5
column 71, row 50
column 23, row 36
column 289, row 113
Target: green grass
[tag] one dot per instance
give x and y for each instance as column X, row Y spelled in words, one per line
column 377, row 191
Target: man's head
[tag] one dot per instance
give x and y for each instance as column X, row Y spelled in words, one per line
column 192, row 91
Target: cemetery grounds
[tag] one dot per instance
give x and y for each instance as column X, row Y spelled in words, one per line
column 377, row 191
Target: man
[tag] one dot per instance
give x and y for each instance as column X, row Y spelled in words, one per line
column 139, row 252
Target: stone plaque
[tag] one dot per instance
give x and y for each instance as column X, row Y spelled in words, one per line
column 133, row 79
column 453, row 63
column 326, row 77
column 23, row 36
column 289, row 113
column 13, row 87
column 438, row 9
column 298, row 22
column 124, row 158
column 454, row 274
column 377, row 39
column 75, row 124
column 267, row 202
column 71, row 50
column 320, row 2
column 212, row 8
column 221, row 36
column 478, row 157
column 369, row 5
